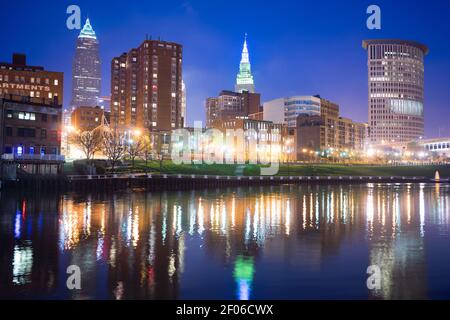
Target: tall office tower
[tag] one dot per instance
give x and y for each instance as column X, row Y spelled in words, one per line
column 230, row 105
column 244, row 79
column 183, row 103
column 146, row 87
column 396, row 90
column 86, row 69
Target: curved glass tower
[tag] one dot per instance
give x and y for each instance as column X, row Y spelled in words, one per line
column 396, row 90
column 86, row 73
column 244, row 79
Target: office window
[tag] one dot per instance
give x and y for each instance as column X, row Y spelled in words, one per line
column 9, row 131
column 27, row 116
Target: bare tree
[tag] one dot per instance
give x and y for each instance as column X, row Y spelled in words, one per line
column 147, row 150
column 114, row 147
column 135, row 148
column 89, row 142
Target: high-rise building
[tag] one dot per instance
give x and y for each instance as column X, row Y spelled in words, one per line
column 18, row 78
column 230, row 105
column 244, row 79
column 396, row 90
column 86, row 69
column 146, row 87
column 286, row 110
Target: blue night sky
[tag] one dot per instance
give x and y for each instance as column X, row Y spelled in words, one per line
column 296, row 47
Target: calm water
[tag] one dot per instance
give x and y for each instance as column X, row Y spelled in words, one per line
column 283, row 242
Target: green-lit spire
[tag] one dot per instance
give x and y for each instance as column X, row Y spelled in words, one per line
column 244, row 79
column 87, row 31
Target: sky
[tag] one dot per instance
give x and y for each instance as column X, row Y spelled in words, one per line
column 297, row 47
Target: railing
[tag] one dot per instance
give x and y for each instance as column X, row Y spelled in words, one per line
column 41, row 157
column 256, row 178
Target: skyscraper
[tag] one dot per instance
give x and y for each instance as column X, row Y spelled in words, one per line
column 146, row 87
column 86, row 73
column 244, row 79
column 396, row 90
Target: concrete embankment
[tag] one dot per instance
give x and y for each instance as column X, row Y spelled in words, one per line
column 185, row 182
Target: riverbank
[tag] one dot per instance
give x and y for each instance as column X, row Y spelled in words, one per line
column 215, row 176
column 158, row 182
column 294, row 169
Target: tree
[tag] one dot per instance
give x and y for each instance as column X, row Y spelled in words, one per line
column 147, row 150
column 89, row 142
column 135, row 148
column 114, row 147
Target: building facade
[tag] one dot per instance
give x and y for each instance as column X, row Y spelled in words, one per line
column 18, row 78
column 30, row 137
column 87, row 118
column 263, row 140
column 86, row 69
column 230, row 105
column 325, row 133
column 286, row 110
column 396, row 90
column 244, row 78
column 146, row 87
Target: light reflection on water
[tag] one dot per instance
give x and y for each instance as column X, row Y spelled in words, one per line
column 289, row 242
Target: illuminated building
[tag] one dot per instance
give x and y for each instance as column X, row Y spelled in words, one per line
column 320, row 133
column 396, row 90
column 244, row 78
column 286, row 110
column 263, row 139
column 230, row 105
column 87, row 118
column 32, row 135
column 146, row 87
column 86, row 69
column 18, row 78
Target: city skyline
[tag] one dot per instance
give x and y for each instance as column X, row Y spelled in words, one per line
column 311, row 69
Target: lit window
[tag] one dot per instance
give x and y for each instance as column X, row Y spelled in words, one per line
column 154, row 124
column 55, row 82
column 155, row 75
column 174, row 94
column 50, row 95
column 27, row 116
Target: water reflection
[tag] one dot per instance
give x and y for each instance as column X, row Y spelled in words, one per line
column 269, row 242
